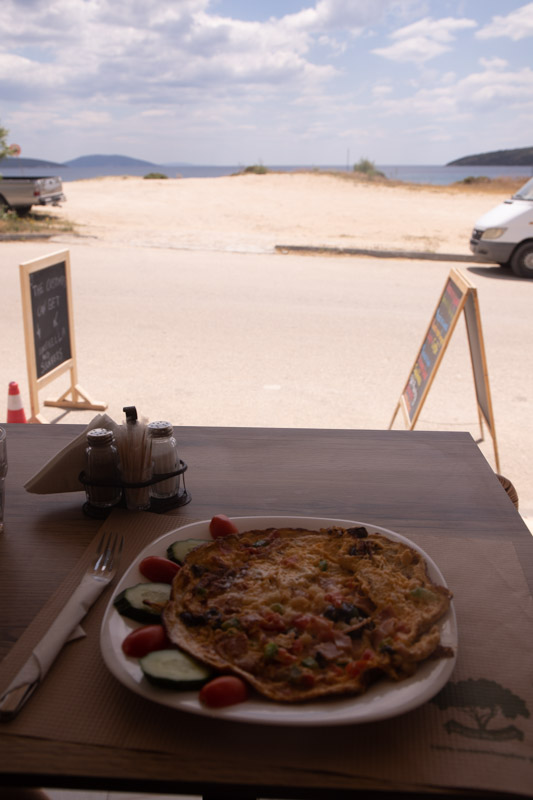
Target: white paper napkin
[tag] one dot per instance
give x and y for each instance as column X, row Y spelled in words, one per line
column 64, row 627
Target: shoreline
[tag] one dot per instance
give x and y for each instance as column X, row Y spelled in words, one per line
column 257, row 213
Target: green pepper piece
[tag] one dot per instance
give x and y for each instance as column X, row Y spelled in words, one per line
column 270, row 651
column 230, row 623
column 421, row 593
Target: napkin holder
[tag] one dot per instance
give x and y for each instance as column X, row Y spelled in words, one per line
column 157, row 504
column 65, row 472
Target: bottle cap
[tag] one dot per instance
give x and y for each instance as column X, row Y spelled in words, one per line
column 100, row 436
column 159, row 428
column 131, row 413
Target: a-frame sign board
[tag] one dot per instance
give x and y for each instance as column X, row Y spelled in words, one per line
column 459, row 295
column 49, row 332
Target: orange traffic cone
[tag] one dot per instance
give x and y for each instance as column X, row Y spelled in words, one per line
column 15, row 409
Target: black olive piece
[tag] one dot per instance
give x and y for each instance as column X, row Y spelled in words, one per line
column 330, row 612
column 214, row 617
column 320, row 659
column 192, row 620
column 334, row 532
column 347, row 611
column 361, row 548
column 360, row 532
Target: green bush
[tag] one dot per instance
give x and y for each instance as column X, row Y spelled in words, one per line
column 256, row 169
column 368, row 168
column 475, row 179
column 157, row 175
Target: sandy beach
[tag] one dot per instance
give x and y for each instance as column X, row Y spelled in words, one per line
column 184, row 307
column 254, row 213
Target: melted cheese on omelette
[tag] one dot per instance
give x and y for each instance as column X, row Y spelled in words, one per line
column 302, row 614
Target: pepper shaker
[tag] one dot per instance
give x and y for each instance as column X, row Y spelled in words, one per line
column 102, row 465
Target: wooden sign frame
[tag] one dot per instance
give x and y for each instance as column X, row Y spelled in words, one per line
column 458, row 295
column 47, row 311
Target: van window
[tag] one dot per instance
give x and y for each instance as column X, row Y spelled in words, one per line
column 526, row 192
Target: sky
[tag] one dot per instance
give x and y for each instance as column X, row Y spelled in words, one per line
column 273, row 82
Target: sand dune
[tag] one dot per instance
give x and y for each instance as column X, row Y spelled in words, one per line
column 256, row 213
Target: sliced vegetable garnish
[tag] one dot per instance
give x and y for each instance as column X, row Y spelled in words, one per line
column 143, row 602
column 221, row 525
column 142, row 641
column 226, row 690
column 174, row 669
column 158, row 569
column 177, row 551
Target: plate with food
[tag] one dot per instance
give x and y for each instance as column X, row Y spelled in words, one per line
column 282, row 621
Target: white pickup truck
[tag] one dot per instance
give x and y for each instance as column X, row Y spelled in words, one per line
column 20, row 194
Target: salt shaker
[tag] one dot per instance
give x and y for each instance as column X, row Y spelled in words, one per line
column 164, row 458
column 102, row 465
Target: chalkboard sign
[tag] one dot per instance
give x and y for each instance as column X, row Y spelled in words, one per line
column 51, row 326
column 49, row 331
column 458, row 295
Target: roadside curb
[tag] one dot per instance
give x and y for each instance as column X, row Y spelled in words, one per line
column 349, row 251
column 20, row 237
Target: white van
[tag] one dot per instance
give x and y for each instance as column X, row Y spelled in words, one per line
column 505, row 234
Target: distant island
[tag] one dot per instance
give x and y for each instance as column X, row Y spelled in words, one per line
column 98, row 160
column 14, row 163
column 108, row 161
column 520, row 157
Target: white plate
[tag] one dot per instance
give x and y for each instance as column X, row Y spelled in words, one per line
column 383, row 700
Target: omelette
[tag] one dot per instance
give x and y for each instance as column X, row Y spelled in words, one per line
column 303, row 614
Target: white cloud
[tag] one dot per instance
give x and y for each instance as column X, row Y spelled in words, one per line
column 335, row 47
column 337, row 14
column 516, row 25
column 415, row 48
column 493, row 63
column 424, row 40
column 382, row 89
column 148, row 49
column 491, row 92
column 89, row 118
column 440, row 30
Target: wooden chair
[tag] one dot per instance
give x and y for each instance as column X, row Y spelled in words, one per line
column 509, row 488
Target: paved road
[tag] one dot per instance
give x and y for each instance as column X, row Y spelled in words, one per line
column 217, row 338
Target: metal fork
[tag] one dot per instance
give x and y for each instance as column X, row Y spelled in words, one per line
column 105, row 564
column 98, row 575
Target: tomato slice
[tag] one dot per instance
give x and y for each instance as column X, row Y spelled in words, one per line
column 158, row 569
column 221, row 525
column 226, row 690
column 145, row 640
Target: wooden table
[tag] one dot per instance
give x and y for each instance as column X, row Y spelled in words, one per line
column 406, row 481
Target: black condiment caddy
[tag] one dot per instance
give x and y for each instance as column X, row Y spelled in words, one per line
column 157, row 505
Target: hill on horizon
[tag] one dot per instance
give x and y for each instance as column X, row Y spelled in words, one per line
column 19, row 162
column 108, row 161
column 519, row 157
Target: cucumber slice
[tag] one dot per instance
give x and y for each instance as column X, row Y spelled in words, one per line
column 143, row 602
column 174, row 669
column 177, row 551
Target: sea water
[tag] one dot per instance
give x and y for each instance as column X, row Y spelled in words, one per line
column 423, row 174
